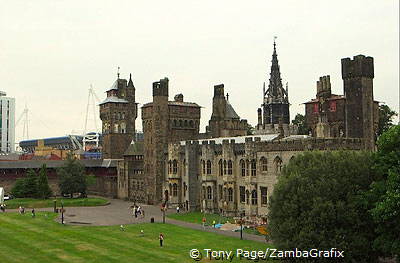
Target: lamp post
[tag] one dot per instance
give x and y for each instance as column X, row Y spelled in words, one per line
column 55, row 205
column 62, row 212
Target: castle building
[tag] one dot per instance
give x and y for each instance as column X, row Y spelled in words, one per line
column 7, row 123
column 354, row 114
column 224, row 122
column 274, row 111
column 118, row 113
column 164, row 122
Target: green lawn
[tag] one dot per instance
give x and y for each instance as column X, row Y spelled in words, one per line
column 196, row 217
column 40, row 203
column 41, row 239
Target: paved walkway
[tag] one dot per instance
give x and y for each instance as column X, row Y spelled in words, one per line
column 118, row 212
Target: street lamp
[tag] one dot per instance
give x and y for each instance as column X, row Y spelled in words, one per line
column 241, row 225
column 62, row 212
column 55, row 205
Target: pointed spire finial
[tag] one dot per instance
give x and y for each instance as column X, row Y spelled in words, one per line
column 227, row 96
column 275, row 37
column 118, row 73
column 130, row 76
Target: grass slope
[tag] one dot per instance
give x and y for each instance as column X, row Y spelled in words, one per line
column 41, row 239
column 40, row 203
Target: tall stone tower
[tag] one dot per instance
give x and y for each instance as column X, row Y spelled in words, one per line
column 118, row 113
column 357, row 75
column 164, row 122
column 276, row 100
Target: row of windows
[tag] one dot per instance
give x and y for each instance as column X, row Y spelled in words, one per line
column 173, row 189
column 248, row 167
column 245, row 195
column 183, row 123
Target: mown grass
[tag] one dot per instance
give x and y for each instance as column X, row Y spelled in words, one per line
column 196, row 217
column 41, row 203
column 41, row 239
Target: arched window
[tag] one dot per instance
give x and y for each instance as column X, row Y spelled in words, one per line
column 247, row 167
column 247, row 196
column 116, row 127
column 264, row 164
column 203, row 166
column 278, row 164
column 184, row 189
column 243, row 167
column 174, row 166
column 170, row 167
column 175, row 190
column 123, row 127
column 253, row 167
column 186, row 123
column 208, row 167
column 175, row 123
column 230, row 195
column 229, row 167
column 170, row 189
column 191, row 123
column 224, row 167
column 221, row 169
column 254, row 197
column 209, row 193
column 180, row 123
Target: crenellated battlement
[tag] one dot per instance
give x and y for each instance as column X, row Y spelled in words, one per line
column 359, row 66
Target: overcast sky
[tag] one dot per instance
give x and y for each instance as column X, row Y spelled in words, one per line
column 51, row 51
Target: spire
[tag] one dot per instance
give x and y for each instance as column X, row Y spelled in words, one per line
column 130, row 83
column 275, row 91
column 118, row 73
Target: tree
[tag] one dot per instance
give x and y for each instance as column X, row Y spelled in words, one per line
column 385, row 193
column 72, row 177
column 300, row 121
column 43, row 188
column 386, row 116
column 25, row 187
column 317, row 203
column 250, row 129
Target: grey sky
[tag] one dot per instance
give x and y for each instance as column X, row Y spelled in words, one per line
column 51, row 51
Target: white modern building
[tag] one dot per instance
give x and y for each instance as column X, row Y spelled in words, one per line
column 7, row 123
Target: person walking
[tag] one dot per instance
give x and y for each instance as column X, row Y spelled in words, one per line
column 177, row 209
column 2, row 208
column 161, row 237
column 33, row 212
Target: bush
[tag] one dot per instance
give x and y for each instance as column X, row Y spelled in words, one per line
column 25, row 187
column 43, row 188
column 318, row 203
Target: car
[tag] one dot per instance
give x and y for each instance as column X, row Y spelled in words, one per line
column 7, row 197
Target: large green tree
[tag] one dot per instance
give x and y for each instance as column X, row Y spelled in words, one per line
column 25, row 187
column 72, row 177
column 300, row 121
column 385, row 193
column 43, row 188
column 386, row 116
column 318, row 203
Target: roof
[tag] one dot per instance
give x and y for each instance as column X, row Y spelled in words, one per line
column 135, row 148
column 27, row 164
column 333, row 97
column 176, row 103
column 114, row 100
column 239, row 139
column 230, row 112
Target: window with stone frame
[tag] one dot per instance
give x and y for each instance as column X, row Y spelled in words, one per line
column 170, row 167
column 332, row 106
column 230, row 194
column 208, row 167
column 264, row 164
column 225, row 167
column 184, row 189
column 203, row 166
column 174, row 166
column 243, row 167
column 174, row 189
column 316, row 107
column 254, row 197
column 220, row 166
column 242, row 193
column 220, row 192
column 229, row 167
column 253, row 167
column 264, row 195
column 247, row 167
column 209, row 193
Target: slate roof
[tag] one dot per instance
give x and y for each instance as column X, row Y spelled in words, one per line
column 230, row 112
column 135, row 148
column 27, row 164
column 114, row 100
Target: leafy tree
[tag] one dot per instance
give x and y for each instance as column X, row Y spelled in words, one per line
column 250, row 129
column 385, row 193
column 43, row 188
column 386, row 116
column 72, row 177
column 318, row 203
column 26, row 187
column 300, row 121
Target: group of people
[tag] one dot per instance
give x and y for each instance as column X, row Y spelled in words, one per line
column 3, row 207
column 138, row 211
